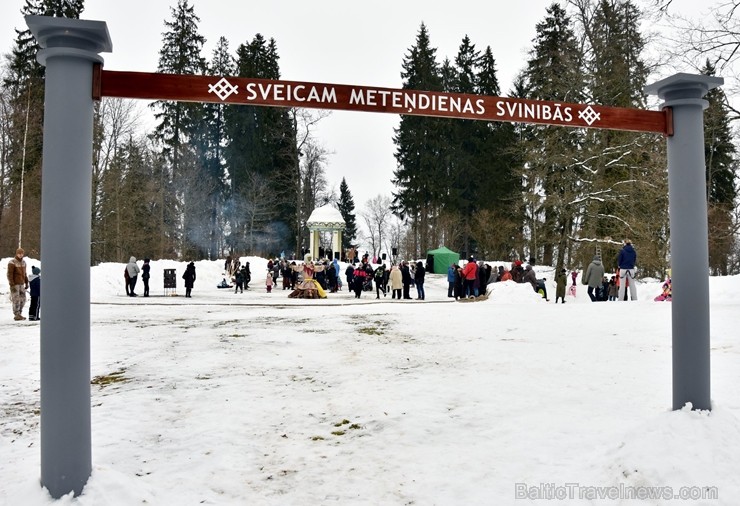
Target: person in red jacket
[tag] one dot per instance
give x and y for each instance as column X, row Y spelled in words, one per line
column 469, row 273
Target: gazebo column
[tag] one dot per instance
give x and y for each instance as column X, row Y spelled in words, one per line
column 337, row 243
column 313, row 244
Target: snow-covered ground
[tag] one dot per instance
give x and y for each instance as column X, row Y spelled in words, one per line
column 257, row 399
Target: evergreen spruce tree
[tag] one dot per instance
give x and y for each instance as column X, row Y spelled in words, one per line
column 419, row 175
column 180, row 129
column 499, row 162
column 215, row 139
column 721, row 166
column 23, row 84
column 262, row 143
column 552, row 173
column 466, row 143
column 346, row 206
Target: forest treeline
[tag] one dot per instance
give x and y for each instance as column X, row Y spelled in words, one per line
column 212, row 179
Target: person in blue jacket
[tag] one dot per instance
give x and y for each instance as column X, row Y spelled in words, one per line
column 451, row 280
column 626, row 262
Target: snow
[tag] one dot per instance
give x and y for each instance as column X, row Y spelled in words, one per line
column 258, row 399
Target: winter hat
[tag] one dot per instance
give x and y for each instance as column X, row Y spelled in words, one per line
column 35, row 270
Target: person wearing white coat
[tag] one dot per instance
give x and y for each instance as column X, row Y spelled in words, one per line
column 133, row 272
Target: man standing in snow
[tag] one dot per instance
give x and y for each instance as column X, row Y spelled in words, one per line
column 592, row 277
column 18, row 281
column 626, row 263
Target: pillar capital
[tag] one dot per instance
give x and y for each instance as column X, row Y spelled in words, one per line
column 684, row 89
column 76, row 38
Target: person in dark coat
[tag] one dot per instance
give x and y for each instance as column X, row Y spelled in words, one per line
column 287, row 274
column 293, row 275
column 458, row 290
column 379, row 276
column 561, row 280
column 482, row 278
column 626, row 262
column 145, row 276
column 320, row 276
column 239, row 281
column 406, row 276
column 189, row 278
column 604, row 293
column 419, row 275
column 35, row 284
column 350, row 273
column 247, row 275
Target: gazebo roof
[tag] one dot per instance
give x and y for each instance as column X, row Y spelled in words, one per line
column 326, row 217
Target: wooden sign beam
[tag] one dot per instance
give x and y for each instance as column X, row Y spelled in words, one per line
column 278, row 93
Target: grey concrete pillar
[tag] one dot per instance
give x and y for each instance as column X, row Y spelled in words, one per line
column 70, row 47
column 684, row 93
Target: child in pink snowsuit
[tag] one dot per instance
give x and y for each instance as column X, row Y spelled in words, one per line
column 268, row 281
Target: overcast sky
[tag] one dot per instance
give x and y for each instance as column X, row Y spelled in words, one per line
column 331, row 41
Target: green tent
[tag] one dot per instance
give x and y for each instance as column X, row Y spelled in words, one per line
column 440, row 259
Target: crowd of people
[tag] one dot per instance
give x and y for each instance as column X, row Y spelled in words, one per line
column 603, row 288
column 311, row 279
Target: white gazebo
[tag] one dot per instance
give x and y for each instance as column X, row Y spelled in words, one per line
column 325, row 219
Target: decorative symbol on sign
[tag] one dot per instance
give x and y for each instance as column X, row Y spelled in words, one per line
column 589, row 115
column 223, row 89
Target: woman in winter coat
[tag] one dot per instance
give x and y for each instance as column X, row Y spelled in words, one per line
column 592, row 277
column 396, row 279
column 133, row 272
column 189, row 278
column 470, row 274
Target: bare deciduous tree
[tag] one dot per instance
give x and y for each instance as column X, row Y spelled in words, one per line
column 377, row 216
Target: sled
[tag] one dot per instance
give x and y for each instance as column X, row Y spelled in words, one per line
column 479, row 298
